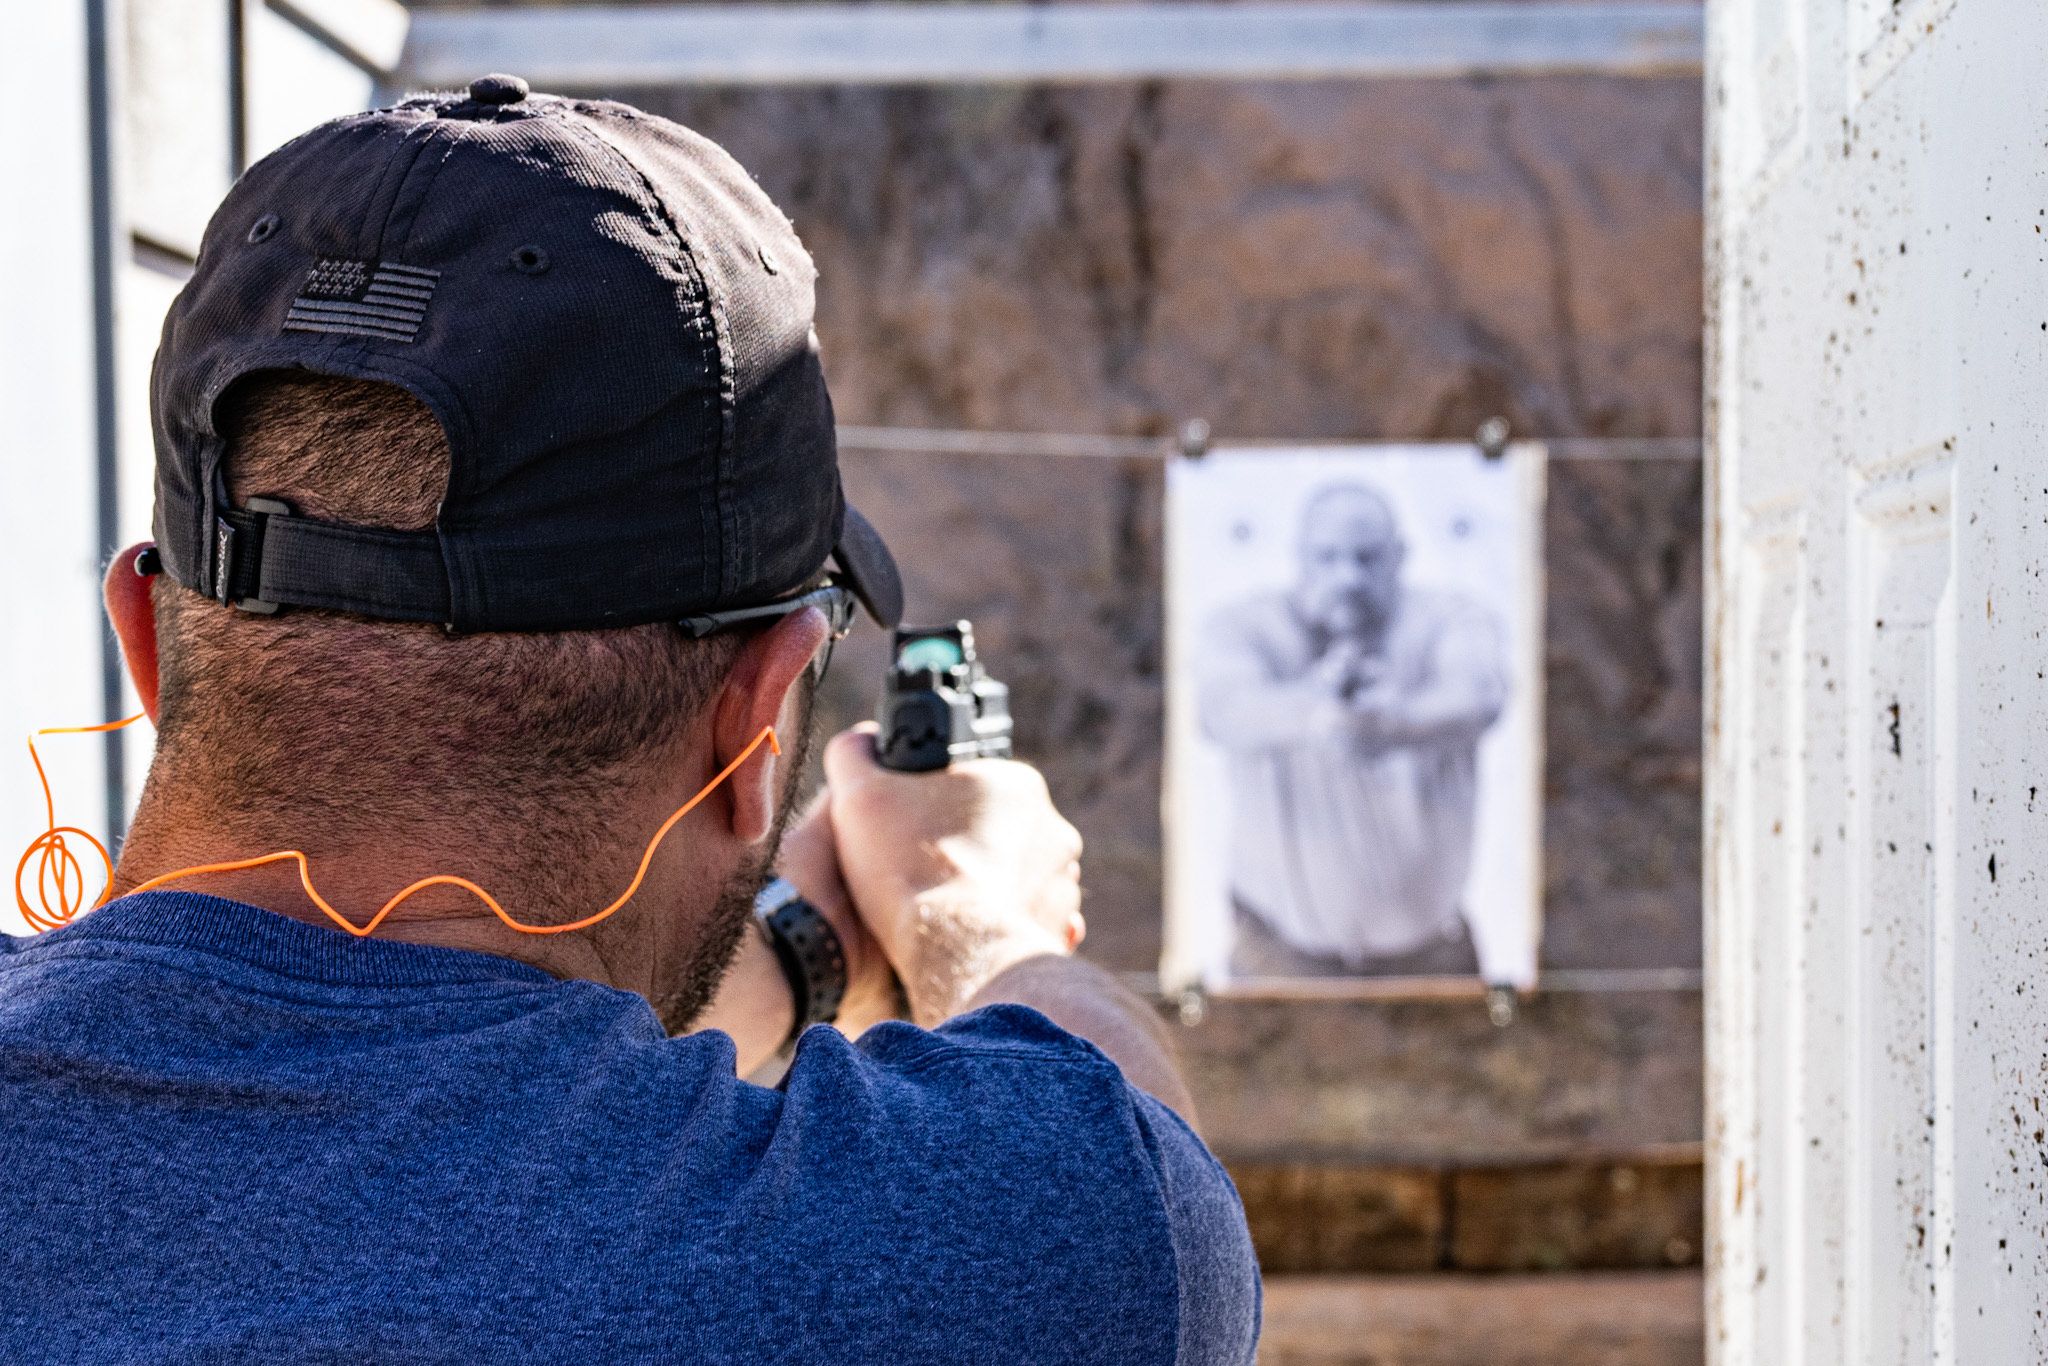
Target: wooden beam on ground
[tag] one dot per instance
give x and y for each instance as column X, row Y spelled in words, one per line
column 1638, row 1211
column 1655, row 1318
column 591, row 47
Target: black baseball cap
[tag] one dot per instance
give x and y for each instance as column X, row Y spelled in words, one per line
column 612, row 323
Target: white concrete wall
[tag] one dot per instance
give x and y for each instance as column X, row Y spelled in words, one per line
column 50, row 635
column 175, row 110
column 1878, row 734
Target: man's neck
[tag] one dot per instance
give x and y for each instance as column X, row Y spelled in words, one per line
column 358, row 881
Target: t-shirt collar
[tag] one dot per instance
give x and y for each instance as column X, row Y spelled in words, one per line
column 277, row 943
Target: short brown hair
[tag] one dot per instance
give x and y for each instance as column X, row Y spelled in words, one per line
column 344, row 722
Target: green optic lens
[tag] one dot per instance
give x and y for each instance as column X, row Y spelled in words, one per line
column 935, row 653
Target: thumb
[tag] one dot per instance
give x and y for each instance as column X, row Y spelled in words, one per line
column 850, row 756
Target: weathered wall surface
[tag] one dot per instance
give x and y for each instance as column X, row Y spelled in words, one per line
column 1621, row 820
column 1396, row 261
column 1426, row 1077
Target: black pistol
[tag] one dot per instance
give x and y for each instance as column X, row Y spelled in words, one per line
column 939, row 704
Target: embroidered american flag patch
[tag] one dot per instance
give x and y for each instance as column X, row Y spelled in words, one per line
column 363, row 299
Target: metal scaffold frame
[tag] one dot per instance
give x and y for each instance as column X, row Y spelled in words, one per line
column 956, row 44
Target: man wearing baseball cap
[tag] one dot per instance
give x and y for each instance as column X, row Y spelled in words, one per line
column 499, row 544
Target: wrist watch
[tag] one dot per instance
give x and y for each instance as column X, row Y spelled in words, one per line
column 808, row 949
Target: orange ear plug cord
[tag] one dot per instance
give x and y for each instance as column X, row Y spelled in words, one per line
column 60, row 877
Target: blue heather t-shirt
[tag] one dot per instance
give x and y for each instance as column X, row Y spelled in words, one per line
column 229, row 1136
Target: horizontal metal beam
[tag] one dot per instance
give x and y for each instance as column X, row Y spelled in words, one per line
column 587, row 47
column 1058, row 445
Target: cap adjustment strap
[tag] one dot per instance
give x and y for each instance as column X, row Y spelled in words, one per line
column 266, row 556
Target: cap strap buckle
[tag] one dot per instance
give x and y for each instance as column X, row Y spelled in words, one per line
column 238, row 555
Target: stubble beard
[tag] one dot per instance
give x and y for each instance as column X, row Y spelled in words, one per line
column 697, row 977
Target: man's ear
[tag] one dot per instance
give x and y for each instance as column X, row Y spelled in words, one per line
column 130, row 609
column 759, row 692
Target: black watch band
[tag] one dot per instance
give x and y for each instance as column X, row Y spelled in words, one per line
column 809, row 950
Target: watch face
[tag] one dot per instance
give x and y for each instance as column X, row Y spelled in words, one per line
column 774, row 896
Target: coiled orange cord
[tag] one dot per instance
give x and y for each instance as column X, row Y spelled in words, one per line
column 60, row 878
